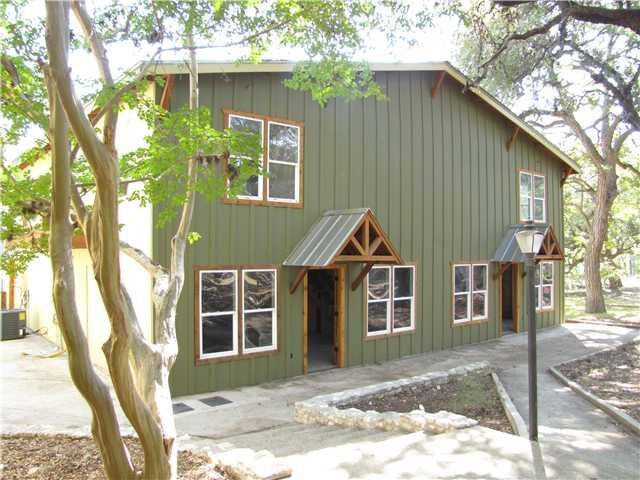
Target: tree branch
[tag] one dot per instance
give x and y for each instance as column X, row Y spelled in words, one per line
column 151, row 266
column 622, row 17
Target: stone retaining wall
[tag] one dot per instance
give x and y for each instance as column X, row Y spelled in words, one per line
column 324, row 409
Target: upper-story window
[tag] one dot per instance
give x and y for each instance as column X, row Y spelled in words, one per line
column 532, row 197
column 282, row 159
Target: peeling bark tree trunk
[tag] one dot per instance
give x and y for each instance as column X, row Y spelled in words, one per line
column 138, row 368
column 606, row 193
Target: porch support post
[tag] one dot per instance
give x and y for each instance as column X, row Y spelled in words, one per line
column 296, row 281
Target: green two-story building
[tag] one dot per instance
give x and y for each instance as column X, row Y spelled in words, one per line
column 384, row 228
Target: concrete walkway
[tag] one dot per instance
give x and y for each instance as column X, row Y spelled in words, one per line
column 576, row 440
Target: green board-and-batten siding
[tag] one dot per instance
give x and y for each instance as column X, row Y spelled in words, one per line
column 436, row 173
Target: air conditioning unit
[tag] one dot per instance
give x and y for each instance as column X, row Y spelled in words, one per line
column 13, row 324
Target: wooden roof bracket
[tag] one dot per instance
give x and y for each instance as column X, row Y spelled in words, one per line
column 512, row 138
column 170, row 81
column 363, row 273
column 298, row 278
column 503, row 267
column 438, row 84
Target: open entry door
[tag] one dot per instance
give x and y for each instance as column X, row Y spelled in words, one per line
column 323, row 318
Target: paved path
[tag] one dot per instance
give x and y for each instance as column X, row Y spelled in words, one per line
column 576, row 440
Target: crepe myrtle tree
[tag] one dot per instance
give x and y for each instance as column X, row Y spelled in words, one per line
column 87, row 172
column 574, row 68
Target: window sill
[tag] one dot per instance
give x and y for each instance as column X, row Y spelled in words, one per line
column 379, row 336
column 261, row 203
column 470, row 322
column 244, row 356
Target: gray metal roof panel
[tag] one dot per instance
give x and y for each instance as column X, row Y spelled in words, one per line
column 508, row 250
column 325, row 237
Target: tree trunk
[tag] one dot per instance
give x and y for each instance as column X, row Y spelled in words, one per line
column 104, row 425
column 606, row 192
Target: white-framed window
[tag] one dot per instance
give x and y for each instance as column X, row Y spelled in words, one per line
column 532, row 197
column 259, row 297
column 283, row 183
column 544, row 286
column 282, row 158
column 218, row 313
column 233, row 304
column 390, row 299
column 470, row 287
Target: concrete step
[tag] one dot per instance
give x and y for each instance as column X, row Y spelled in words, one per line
column 295, row 438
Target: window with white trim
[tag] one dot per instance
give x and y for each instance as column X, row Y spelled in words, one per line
column 237, row 304
column 282, row 158
column 218, row 313
column 390, row 299
column 470, row 286
column 532, row 197
column 544, row 286
column 259, row 310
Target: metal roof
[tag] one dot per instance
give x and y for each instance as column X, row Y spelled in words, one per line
column 325, row 237
column 177, row 67
column 509, row 251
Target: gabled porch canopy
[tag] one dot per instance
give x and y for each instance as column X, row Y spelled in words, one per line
column 509, row 252
column 343, row 236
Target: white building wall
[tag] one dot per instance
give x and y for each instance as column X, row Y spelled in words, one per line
column 137, row 230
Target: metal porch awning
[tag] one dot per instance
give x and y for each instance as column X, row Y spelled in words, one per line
column 343, row 236
column 509, row 252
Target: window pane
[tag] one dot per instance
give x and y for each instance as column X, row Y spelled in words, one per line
column 546, row 297
column 282, row 181
column 537, row 275
column 378, row 280
column 479, row 300
column 525, row 186
column 461, row 278
column 376, row 316
column 283, row 143
column 217, row 334
column 259, row 290
column 547, row 272
column 525, row 209
column 403, row 281
column 402, row 313
column 258, row 329
column 538, row 188
column 538, row 210
column 460, row 307
column 479, row 277
column 246, row 124
column 218, row 291
column 251, row 186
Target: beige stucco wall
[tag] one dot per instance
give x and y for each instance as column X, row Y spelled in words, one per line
column 137, row 230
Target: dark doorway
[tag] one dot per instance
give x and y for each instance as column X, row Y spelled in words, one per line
column 509, row 306
column 321, row 304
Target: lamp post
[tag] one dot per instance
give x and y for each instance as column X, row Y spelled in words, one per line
column 530, row 241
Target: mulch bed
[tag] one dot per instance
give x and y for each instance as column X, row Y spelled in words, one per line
column 613, row 376
column 46, row 457
column 473, row 396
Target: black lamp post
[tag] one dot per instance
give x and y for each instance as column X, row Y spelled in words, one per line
column 530, row 241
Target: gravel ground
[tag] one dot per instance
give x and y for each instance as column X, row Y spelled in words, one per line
column 613, row 376
column 47, row 457
column 473, row 396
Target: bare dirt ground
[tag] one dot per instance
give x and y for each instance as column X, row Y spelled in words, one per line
column 613, row 376
column 46, row 457
column 473, row 396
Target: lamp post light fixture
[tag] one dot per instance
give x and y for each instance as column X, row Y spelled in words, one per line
column 530, row 241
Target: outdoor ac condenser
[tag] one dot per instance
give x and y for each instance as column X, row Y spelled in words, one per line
column 14, row 324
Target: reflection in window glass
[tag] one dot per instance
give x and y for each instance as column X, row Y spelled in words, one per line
column 461, row 278
column 283, row 143
column 402, row 313
column 378, row 283
column 479, row 277
column 544, row 286
column 253, row 185
column 377, row 316
column 259, row 302
column 403, row 282
column 282, row 181
column 461, row 307
column 470, row 294
column 218, row 313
